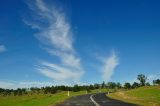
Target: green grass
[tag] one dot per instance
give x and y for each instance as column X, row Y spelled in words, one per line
column 39, row 99
column 144, row 96
column 36, row 99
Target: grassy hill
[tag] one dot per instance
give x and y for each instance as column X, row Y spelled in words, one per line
column 40, row 99
column 144, row 96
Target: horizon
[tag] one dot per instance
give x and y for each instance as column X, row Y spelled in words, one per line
column 67, row 42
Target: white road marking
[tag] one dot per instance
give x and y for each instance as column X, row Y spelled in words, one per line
column 96, row 104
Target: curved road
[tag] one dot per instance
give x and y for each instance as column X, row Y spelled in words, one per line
column 99, row 99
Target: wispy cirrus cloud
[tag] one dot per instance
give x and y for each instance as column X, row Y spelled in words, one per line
column 2, row 48
column 63, row 73
column 55, row 32
column 109, row 65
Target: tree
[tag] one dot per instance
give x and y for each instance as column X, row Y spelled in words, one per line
column 76, row 88
column 118, row 85
column 148, row 84
column 127, row 85
column 2, row 90
column 142, row 78
column 111, row 85
column 96, row 86
column 91, row 87
column 19, row 91
column 135, row 85
column 103, row 84
column 15, row 92
column 47, row 90
column 156, row 82
column 53, row 90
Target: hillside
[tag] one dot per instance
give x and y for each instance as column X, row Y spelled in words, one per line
column 144, row 96
column 40, row 99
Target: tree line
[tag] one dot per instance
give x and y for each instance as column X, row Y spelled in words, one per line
column 54, row 89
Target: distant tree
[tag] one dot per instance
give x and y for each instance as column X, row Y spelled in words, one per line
column 33, row 89
column 91, row 87
column 135, row 85
column 88, row 88
column 127, row 85
column 6, row 92
column 47, row 90
column 19, row 91
column 53, row 90
column 15, row 92
column 103, row 84
column 156, row 82
column 23, row 90
column 148, row 84
column 111, row 85
column 1, row 90
column 96, row 86
column 118, row 85
column 76, row 88
column 67, row 88
column 63, row 88
column 142, row 78
column 38, row 90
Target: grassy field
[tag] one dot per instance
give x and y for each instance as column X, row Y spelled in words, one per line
column 144, row 96
column 39, row 99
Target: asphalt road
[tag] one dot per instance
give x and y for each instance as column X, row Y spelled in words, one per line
column 99, row 99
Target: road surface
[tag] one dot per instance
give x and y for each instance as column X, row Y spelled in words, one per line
column 99, row 99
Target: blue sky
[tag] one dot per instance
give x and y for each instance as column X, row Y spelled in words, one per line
column 45, row 42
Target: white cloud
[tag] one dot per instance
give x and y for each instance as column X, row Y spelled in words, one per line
column 59, row 73
column 10, row 84
column 152, row 77
column 55, row 32
column 133, row 80
column 33, row 25
column 2, row 48
column 4, row 84
column 23, row 84
column 109, row 65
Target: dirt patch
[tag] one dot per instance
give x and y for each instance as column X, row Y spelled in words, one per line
column 124, row 96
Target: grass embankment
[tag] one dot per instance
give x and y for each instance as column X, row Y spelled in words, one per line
column 39, row 99
column 144, row 96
